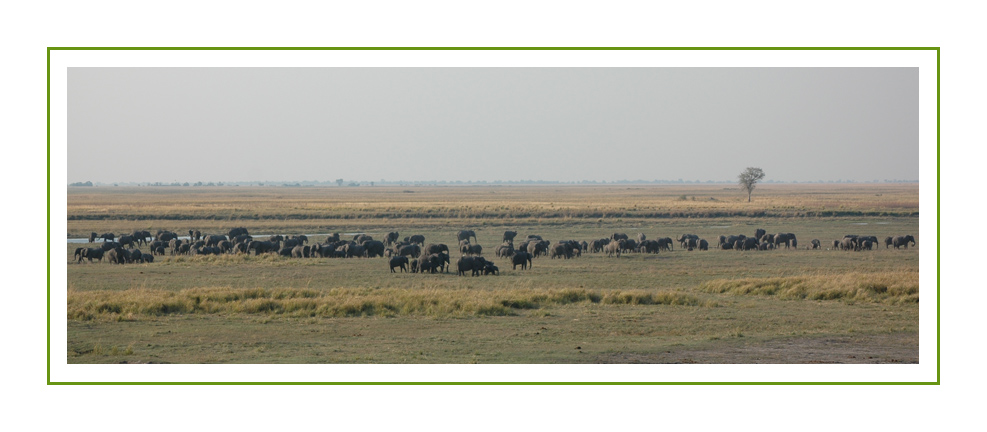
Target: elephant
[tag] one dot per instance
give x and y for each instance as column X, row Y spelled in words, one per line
column 107, row 246
column 888, row 241
column 538, row 248
column 391, row 238
column 733, row 238
column 726, row 246
column 560, row 250
column 618, row 236
column 847, row 244
column 465, row 235
column 641, row 237
column 300, row 251
column 475, row 250
column 785, row 238
column 140, row 236
column 434, row 248
column 490, row 268
column 194, row 235
column 236, row 232
column 242, row 238
column 472, row 264
column 356, row 250
column 612, row 248
column 286, row 251
column 439, row 261
column 260, row 247
column 665, row 243
column 703, row 245
column 165, row 236
column 866, row 244
column 816, row 244
column 748, row 243
column 275, row 238
column 627, row 245
column 759, row 233
column 690, row 243
column 301, row 238
column 521, row 258
column 650, row 246
column 93, row 237
column 360, row 238
column 683, row 238
column 836, row 244
column 422, row 265
column 107, row 236
column 509, row 236
column 147, row 258
column 398, row 261
column 505, row 251
column 417, row 239
column 903, row 241
column 126, row 240
column 213, row 240
column 115, row 256
column 291, row 242
column 334, row 237
column 90, row 254
column 374, row 248
column 413, row 251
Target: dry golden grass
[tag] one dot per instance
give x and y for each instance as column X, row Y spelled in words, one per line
column 220, row 208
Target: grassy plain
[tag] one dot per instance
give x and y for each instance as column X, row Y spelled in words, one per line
column 794, row 306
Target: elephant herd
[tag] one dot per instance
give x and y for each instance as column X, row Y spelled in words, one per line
column 412, row 254
column 853, row 242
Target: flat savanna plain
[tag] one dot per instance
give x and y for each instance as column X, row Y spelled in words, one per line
column 716, row 306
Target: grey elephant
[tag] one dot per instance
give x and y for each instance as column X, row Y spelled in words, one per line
column 521, row 258
column 785, row 238
column 816, row 244
column 413, row 251
column 236, row 232
column 434, row 248
column 612, row 248
column 391, row 238
column 398, row 261
column 509, row 236
column 903, row 241
column 465, row 235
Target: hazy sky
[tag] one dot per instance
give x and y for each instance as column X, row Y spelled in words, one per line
column 565, row 124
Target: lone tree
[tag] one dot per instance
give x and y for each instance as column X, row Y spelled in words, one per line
column 748, row 180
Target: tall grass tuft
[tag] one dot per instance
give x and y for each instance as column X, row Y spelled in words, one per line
column 884, row 287
column 135, row 304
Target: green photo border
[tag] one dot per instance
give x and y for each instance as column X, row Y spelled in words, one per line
column 938, row 298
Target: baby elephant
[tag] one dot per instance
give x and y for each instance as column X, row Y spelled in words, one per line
column 399, row 261
column 490, row 268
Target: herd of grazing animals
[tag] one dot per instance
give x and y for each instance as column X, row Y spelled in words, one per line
column 411, row 254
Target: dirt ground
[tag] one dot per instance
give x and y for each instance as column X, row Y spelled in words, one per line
column 878, row 349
